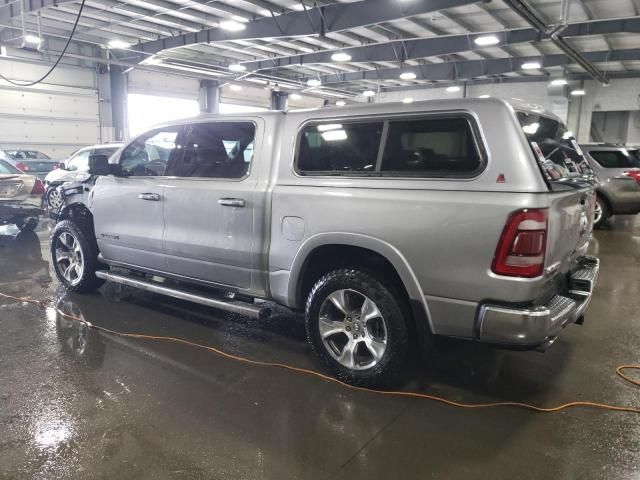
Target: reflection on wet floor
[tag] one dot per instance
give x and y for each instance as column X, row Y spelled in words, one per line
column 78, row 403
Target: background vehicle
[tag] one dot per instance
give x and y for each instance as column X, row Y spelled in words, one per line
column 20, row 197
column 75, row 169
column 384, row 225
column 31, row 162
column 618, row 170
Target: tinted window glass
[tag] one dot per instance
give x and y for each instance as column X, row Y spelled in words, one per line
column 335, row 147
column 108, row 151
column 153, row 154
column 615, row 159
column 80, row 161
column 218, row 150
column 429, row 147
column 554, row 147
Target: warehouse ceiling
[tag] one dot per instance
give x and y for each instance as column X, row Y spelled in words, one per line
column 343, row 48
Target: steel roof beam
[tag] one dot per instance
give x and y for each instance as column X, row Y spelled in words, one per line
column 467, row 69
column 12, row 10
column 314, row 21
column 446, row 45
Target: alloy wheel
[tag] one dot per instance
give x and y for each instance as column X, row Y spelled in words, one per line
column 597, row 212
column 69, row 259
column 54, row 199
column 352, row 329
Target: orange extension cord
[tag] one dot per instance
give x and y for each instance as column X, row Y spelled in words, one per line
column 564, row 406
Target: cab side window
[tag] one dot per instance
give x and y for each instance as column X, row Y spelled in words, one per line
column 154, row 154
column 218, row 150
column 80, row 161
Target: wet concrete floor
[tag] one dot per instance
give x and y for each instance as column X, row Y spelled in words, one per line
column 76, row 403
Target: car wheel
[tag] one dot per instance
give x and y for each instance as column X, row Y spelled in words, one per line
column 75, row 258
column 601, row 213
column 54, row 199
column 357, row 328
column 27, row 224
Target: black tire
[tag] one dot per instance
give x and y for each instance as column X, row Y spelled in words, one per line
column 27, row 224
column 605, row 209
column 87, row 280
column 390, row 369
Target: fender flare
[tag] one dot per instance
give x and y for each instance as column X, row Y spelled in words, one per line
column 381, row 247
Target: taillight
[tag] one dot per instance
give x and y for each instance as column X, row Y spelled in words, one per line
column 522, row 245
column 38, row 188
column 22, row 166
column 635, row 174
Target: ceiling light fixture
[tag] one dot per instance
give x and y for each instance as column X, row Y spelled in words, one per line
column 407, row 100
column 32, row 39
column 340, row 57
column 232, row 26
column 453, row 89
column 341, row 103
column 314, row 82
column 295, row 96
column 486, row 40
column 118, row 44
column 407, row 76
column 484, row 96
column 236, row 67
column 531, row 66
column 578, row 93
column 558, row 82
column 368, row 93
column 234, row 87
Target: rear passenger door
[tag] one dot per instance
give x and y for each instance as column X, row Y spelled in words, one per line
column 210, row 205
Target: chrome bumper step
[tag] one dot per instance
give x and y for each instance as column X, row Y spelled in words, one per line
column 229, row 305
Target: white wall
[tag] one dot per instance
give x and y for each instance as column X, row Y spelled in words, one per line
column 56, row 116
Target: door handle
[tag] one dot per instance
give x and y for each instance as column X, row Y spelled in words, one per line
column 231, row 202
column 154, row 197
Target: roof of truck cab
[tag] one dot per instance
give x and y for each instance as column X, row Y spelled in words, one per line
column 374, row 108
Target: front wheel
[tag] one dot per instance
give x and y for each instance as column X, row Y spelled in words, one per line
column 601, row 212
column 357, row 328
column 75, row 258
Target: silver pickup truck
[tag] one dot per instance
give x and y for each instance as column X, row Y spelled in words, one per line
column 385, row 223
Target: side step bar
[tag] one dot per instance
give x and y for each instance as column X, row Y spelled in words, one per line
column 235, row 306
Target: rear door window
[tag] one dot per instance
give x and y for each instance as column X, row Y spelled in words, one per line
column 218, row 150
column 614, row 158
column 555, row 148
column 335, row 148
column 431, row 148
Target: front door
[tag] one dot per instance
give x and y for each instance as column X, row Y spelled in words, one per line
column 128, row 209
column 209, row 205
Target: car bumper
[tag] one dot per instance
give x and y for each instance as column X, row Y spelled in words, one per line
column 539, row 325
column 12, row 210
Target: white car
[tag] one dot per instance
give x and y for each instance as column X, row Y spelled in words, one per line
column 75, row 170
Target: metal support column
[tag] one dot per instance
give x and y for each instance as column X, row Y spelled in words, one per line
column 118, row 84
column 210, row 96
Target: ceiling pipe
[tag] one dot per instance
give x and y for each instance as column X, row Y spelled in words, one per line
column 539, row 23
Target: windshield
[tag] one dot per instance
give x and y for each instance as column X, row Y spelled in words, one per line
column 27, row 155
column 618, row 158
column 555, row 148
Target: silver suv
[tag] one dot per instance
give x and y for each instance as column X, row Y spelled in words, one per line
column 463, row 218
column 618, row 169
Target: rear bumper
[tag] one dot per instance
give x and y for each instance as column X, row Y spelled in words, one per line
column 9, row 211
column 539, row 325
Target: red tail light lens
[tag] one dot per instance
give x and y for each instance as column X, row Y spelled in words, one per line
column 635, row 174
column 522, row 246
column 22, row 166
column 38, row 188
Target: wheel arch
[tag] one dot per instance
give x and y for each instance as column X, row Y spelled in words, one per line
column 324, row 243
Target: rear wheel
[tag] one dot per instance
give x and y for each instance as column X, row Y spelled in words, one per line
column 602, row 212
column 357, row 328
column 75, row 258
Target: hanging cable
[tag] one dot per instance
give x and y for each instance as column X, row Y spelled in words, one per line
column 64, row 50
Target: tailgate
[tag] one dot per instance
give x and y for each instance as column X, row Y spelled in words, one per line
column 571, row 216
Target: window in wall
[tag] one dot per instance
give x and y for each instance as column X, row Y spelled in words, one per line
column 430, row 147
column 218, row 150
column 339, row 147
column 145, row 111
column 156, row 153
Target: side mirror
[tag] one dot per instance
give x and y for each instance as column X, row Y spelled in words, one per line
column 99, row 165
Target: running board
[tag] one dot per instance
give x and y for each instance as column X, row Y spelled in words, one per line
column 235, row 306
